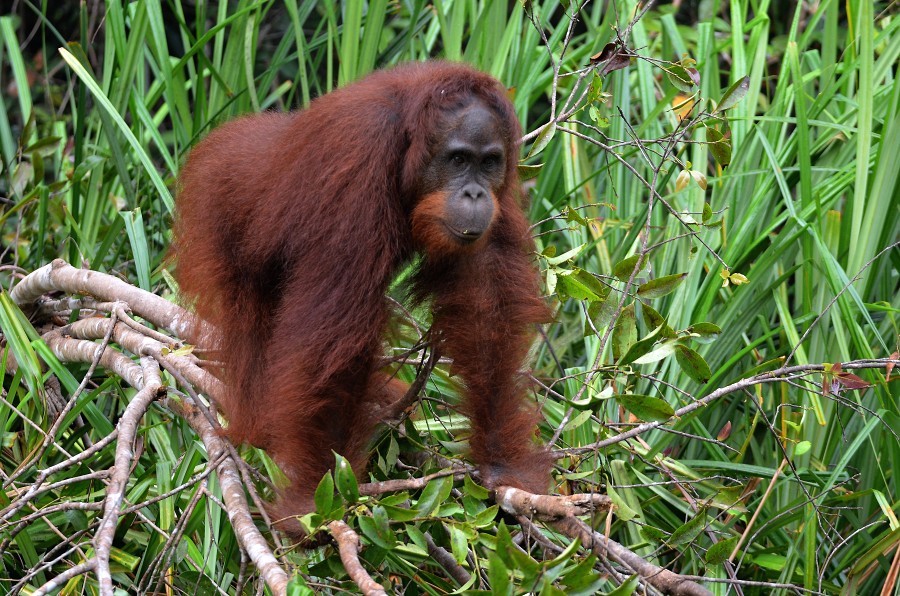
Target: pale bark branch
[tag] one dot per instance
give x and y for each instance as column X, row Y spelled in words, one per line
column 348, row 547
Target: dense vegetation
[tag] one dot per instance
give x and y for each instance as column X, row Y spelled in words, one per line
column 715, row 194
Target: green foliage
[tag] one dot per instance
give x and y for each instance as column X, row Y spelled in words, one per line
column 716, row 203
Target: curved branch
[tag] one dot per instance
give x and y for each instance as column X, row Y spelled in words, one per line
column 60, row 276
column 560, row 512
column 115, row 491
column 348, row 547
column 235, row 500
column 666, row 581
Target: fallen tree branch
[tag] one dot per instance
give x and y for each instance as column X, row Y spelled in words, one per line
column 549, row 507
column 115, row 490
column 668, row 582
column 348, row 547
column 774, row 376
column 74, row 343
column 252, row 541
column 59, row 276
column 122, row 338
column 560, row 512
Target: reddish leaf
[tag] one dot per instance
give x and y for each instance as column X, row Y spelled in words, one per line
column 851, row 381
column 725, row 432
column 615, row 56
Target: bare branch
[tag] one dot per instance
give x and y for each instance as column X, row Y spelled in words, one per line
column 348, row 547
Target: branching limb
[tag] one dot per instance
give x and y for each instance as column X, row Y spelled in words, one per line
column 235, row 499
column 60, row 276
column 775, row 376
column 560, row 511
column 75, row 343
column 549, row 507
column 348, row 547
column 60, row 580
column 115, row 492
column 117, row 337
column 445, row 559
column 662, row 579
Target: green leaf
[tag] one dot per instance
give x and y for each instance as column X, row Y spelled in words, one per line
column 459, row 545
column 705, row 332
column 504, row 544
column 653, row 319
column 688, row 532
column 416, row 536
column 400, row 514
column 719, row 552
column 660, row 351
column 569, row 286
column 719, row 146
column 733, row 95
column 659, row 287
column 801, row 448
column 653, row 534
column 572, row 215
column 498, row 575
column 551, row 280
column 44, row 146
column 641, row 347
column 578, row 420
column 543, row 139
column 582, row 579
column 471, row 488
column 623, row 511
column 771, row 561
column 581, row 285
column 623, row 268
column 377, row 529
column 601, row 313
column 627, row 588
column 682, row 78
column 527, row 172
column 345, row 479
column 86, row 165
column 692, row 363
column 525, row 563
column 298, row 587
column 563, row 557
column 486, row 518
column 434, row 494
column 569, row 254
column 324, row 496
column 625, row 332
column 646, row 407
column 596, row 88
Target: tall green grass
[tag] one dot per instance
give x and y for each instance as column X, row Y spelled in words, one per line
column 100, row 107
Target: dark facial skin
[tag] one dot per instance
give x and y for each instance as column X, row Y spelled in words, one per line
column 469, row 165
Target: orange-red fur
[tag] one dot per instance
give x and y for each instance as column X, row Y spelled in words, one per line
column 288, row 231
